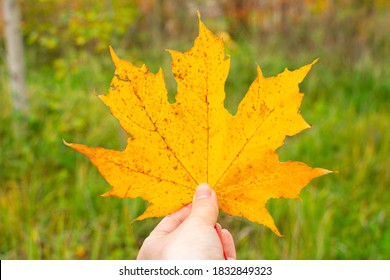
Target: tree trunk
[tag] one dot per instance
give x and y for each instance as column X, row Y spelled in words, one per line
column 15, row 56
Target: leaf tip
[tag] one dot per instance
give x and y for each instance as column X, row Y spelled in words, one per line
column 276, row 231
column 66, row 143
column 202, row 27
column 311, row 64
column 259, row 72
column 114, row 56
column 198, row 15
column 326, row 171
column 322, row 171
column 172, row 52
column 301, row 73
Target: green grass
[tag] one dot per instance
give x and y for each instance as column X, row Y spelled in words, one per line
column 50, row 201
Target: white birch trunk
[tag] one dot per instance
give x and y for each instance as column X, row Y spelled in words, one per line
column 15, row 56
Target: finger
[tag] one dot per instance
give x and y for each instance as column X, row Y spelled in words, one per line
column 228, row 245
column 172, row 221
column 218, row 228
column 205, row 205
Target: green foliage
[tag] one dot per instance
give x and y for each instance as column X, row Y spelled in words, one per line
column 50, row 200
column 55, row 27
column 50, row 204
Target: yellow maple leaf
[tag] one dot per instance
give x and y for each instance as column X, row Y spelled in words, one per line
column 174, row 147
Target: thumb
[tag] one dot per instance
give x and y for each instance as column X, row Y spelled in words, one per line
column 205, row 205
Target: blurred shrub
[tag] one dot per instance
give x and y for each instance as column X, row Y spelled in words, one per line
column 56, row 27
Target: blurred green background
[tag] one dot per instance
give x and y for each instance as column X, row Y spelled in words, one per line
column 50, row 203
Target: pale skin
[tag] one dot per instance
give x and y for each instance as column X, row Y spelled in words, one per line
column 190, row 233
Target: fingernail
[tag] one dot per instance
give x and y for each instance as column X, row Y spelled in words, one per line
column 203, row 191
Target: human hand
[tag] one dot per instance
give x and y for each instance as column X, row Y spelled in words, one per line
column 189, row 233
